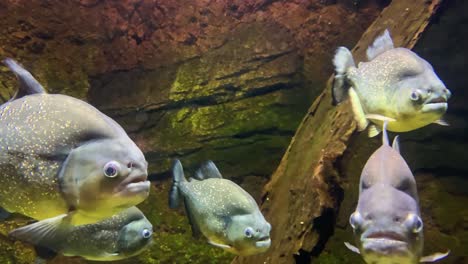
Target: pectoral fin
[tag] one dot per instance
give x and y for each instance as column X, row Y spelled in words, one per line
column 358, row 112
column 441, row 122
column 380, row 118
column 373, row 131
column 434, row 257
column 4, row 214
column 352, row 248
column 219, row 245
column 45, row 233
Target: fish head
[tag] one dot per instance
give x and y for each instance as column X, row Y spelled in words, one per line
column 248, row 234
column 387, row 226
column 135, row 237
column 105, row 176
column 419, row 91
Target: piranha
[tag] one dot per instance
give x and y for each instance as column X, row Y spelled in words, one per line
column 124, row 235
column 64, row 162
column 395, row 85
column 220, row 210
column 387, row 222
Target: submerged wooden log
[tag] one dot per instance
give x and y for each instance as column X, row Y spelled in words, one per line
column 303, row 196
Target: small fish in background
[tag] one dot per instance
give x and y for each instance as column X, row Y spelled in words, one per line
column 122, row 236
column 63, row 162
column 387, row 222
column 395, row 85
column 220, row 210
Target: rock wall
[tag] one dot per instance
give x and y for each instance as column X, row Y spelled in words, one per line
column 193, row 79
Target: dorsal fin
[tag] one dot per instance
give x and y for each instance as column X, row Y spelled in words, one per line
column 384, row 134
column 381, row 44
column 28, row 84
column 207, row 171
column 396, row 144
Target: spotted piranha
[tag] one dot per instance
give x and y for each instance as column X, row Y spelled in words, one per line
column 220, row 210
column 387, row 222
column 395, row 85
column 64, row 162
column 124, row 235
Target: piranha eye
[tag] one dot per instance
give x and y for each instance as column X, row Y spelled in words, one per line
column 249, row 232
column 356, row 220
column 415, row 95
column 146, row 233
column 414, row 222
column 111, row 169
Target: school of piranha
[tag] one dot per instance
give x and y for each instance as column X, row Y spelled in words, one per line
column 79, row 176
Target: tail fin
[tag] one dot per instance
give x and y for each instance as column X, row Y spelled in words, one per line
column 178, row 177
column 343, row 60
column 28, row 84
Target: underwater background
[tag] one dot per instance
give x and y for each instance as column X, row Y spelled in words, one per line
column 231, row 81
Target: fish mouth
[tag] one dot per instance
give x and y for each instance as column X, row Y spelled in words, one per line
column 435, row 106
column 386, row 235
column 437, row 100
column 385, row 243
column 134, row 184
column 263, row 242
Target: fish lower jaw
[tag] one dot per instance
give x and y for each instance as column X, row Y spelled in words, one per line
column 385, row 246
column 434, row 107
column 385, row 241
column 263, row 243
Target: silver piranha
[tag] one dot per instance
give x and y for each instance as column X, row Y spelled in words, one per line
column 124, row 235
column 64, row 162
column 395, row 85
column 221, row 211
column 387, row 222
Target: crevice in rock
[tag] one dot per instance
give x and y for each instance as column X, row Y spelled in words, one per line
column 274, row 131
column 324, row 227
column 214, row 99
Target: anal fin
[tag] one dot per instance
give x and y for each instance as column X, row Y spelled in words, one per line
column 196, row 233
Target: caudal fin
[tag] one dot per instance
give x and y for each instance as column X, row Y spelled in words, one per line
column 177, row 178
column 342, row 61
column 28, row 84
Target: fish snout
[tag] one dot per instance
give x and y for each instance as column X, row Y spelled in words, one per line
column 136, row 183
column 447, row 93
